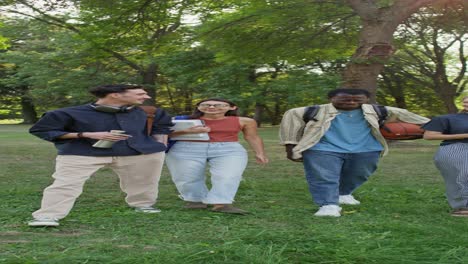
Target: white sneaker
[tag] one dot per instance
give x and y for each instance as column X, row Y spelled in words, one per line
column 43, row 222
column 348, row 199
column 147, row 209
column 329, row 210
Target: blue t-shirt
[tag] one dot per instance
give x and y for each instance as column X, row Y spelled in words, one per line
column 449, row 124
column 349, row 133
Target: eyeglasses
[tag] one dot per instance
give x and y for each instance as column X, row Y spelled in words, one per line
column 213, row 105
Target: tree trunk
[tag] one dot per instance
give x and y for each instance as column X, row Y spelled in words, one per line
column 276, row 118
column 171, row 98
column 259, row 107
column 447, row 93
column 276, row 113
column 258, row 114
column 149, row 81
column 450, row 105
column 28, row 110
column 368, row 61
column 375, row 39
column 188, row 103
column 394, row 85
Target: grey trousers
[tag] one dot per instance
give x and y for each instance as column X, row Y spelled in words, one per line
column 452, row 162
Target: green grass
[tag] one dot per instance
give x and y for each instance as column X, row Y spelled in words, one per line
column 403, row 217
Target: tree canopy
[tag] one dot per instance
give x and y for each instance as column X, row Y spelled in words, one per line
column 266, row 55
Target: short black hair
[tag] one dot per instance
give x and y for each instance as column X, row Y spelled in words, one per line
column 333, row 93
column 103, row 90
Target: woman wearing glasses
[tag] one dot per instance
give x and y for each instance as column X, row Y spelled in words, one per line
column 227, row 159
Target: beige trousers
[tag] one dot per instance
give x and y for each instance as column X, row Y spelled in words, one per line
column 139, row 178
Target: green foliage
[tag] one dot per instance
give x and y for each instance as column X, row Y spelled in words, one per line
column 196, row 74
column 138, row 29
column 268, row 31
column 259, row 53
column 3, row 41
column 430, row 64
column 54, row 66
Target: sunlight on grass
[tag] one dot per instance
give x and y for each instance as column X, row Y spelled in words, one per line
column 403, row 217
column 10, row 121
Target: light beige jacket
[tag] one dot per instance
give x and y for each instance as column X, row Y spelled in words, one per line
column 294, row 131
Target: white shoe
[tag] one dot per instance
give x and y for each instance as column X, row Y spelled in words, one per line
column 43, row 222
column 329, row 210
column 147, row 209
column 348, row 199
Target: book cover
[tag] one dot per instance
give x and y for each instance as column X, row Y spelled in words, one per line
column 184, row 124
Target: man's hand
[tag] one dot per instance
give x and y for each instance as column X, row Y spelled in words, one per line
column 99, row 136
column 289, row 152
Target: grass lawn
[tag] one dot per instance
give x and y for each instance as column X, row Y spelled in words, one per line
column 403, row 217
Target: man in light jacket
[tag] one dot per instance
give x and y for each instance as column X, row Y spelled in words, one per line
column 340, row 147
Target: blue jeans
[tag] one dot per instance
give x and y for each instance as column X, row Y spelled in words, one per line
column 187, row 162
column 330, row 174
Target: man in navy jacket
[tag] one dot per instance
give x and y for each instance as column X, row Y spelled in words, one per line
column 135, row 156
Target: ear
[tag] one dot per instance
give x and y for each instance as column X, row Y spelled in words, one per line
column 114, row 95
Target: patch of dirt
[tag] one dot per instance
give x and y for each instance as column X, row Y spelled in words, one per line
column 125, row 246
column 13, row 241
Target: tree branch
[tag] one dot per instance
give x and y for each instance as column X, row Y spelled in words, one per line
column 367, row 10
column 461, row 75
column 63, row 24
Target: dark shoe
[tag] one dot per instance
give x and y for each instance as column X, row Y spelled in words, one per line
column 195, row 205
column 229, row 209
column 460, row 212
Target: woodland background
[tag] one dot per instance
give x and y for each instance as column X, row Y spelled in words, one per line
column 266, row 55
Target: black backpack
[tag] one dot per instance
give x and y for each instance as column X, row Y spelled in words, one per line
column 311, row 112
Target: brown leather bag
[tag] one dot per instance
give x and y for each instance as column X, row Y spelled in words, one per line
column 150, row 115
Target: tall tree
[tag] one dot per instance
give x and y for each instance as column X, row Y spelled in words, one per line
column 431, row 61
column 133, row 32
column 298, row 30
column 50, row 68
column 379, row 22
column 436, row 55
column 272, row 38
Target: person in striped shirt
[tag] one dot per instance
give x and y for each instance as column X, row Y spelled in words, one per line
column 452, row 156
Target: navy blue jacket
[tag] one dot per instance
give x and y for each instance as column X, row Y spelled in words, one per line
column 85, row 118
column 449, row 124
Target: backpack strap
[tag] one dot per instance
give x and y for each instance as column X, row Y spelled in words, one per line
column 382, row 113
column 310, row 113
column 150, row 115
